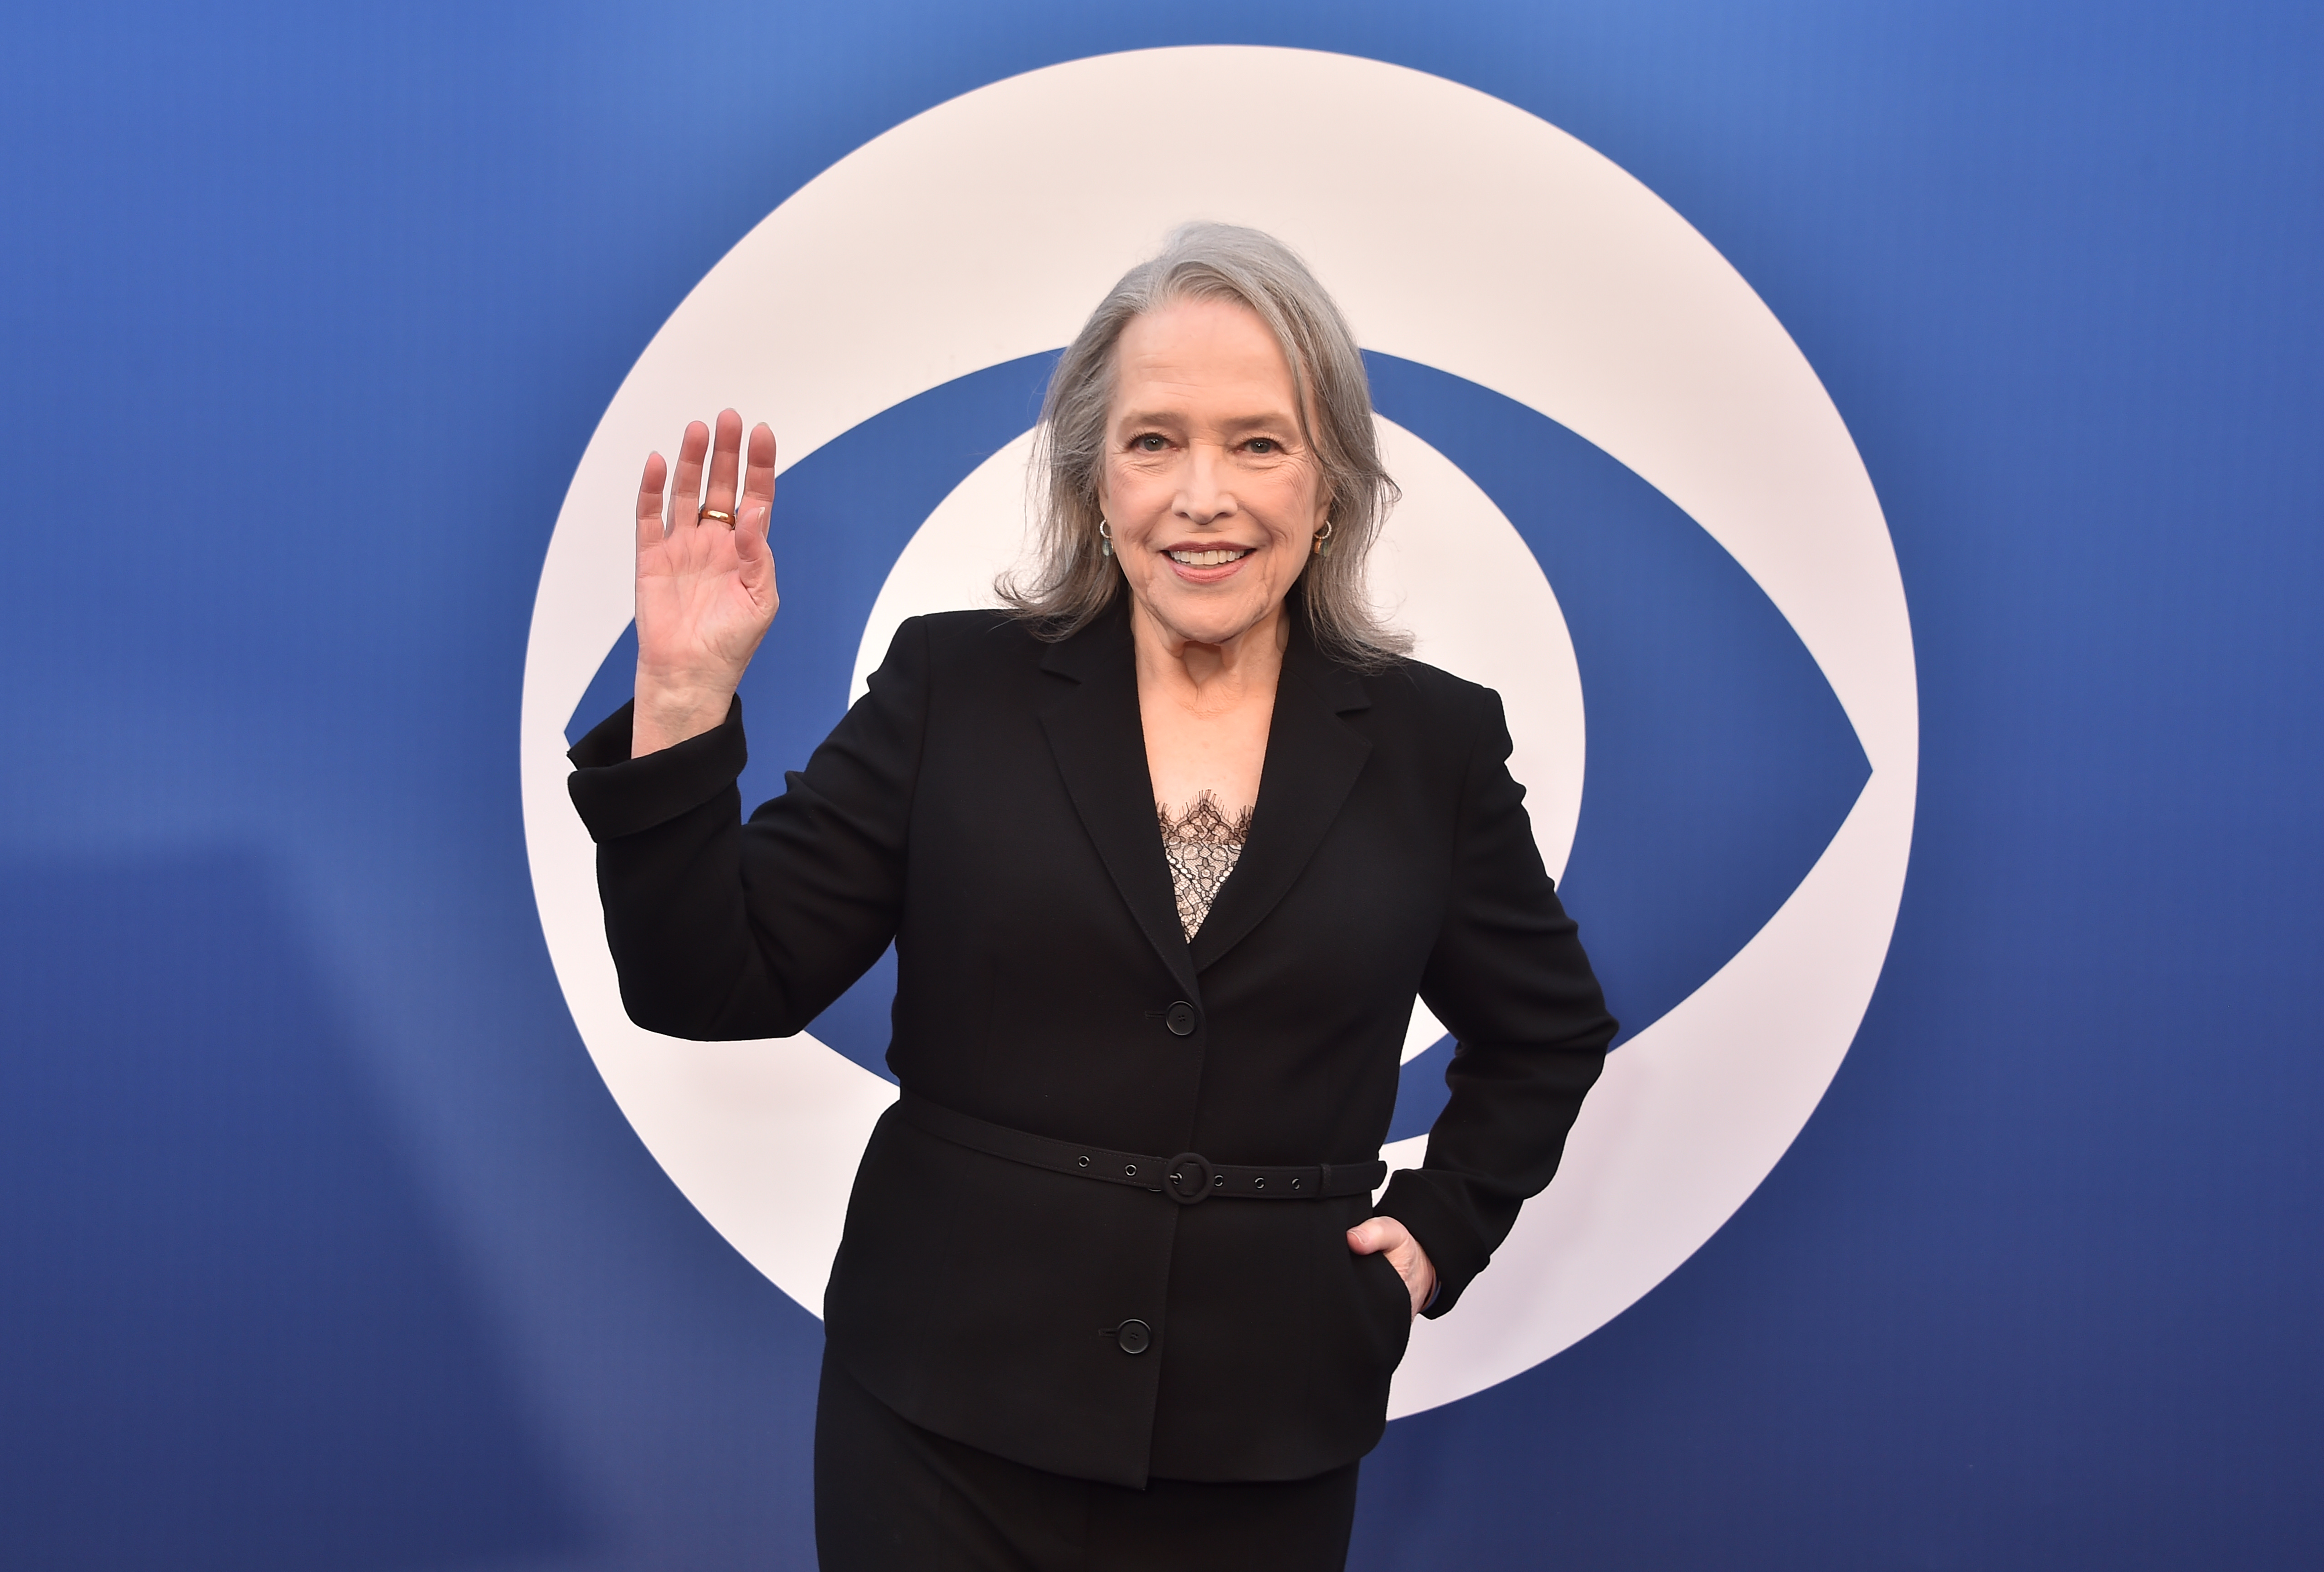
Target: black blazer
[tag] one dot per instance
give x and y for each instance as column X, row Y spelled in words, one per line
column 987, row 807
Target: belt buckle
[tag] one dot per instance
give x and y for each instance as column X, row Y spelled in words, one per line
column 1175, row 1176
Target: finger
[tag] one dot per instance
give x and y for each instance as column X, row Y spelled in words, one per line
column 1366, row 1237
column 649, row 486
column 759, row 478
column 686, row 496
column 725, row 452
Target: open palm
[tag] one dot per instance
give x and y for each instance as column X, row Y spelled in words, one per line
column 705, row 585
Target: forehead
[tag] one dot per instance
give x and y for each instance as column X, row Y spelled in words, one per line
column 1200, row 349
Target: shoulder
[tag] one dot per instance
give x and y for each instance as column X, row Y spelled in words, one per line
column 981, row 624
column 946, row 638
column 1425, row 684
column 965, row 664
column 1428, row 699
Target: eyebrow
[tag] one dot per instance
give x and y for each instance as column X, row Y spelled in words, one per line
column 1239, row 423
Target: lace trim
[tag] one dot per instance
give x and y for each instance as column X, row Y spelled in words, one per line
column 1203, row 845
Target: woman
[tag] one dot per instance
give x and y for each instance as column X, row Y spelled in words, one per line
column 1166, row 850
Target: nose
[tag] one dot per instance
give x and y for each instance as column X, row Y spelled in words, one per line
column 1203, row 496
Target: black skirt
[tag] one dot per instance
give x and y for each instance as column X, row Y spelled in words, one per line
column 892, row 1497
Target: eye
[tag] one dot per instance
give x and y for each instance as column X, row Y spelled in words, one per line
column 1264, row 444
column 1152, row 442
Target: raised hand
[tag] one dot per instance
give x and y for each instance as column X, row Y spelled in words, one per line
column 706, row 584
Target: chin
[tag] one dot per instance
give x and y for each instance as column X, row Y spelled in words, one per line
column 1212, row 623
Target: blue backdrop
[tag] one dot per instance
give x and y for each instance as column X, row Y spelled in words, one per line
column 324, row 1246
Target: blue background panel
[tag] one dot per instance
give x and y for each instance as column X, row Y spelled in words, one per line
column 305, row 320
column 237, row 1339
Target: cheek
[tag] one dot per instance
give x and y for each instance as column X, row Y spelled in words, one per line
column 1293, row 503
column 1294, row 486
column 1132, row 493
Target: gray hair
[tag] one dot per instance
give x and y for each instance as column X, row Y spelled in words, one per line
column 1071, row 580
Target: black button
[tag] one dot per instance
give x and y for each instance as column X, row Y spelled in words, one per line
column 1181, row 1019
column 1135, row 1337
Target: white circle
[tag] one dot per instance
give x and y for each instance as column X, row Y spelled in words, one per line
column 1458, row 232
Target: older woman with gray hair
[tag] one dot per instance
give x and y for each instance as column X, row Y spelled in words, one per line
column 1167, row 847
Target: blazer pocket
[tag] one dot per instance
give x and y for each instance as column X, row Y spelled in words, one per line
column 1385, row 1302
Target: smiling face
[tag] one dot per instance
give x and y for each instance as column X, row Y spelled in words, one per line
column 1211, row 491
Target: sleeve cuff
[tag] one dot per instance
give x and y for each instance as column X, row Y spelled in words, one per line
column 1452, row 1245
column 619, row 796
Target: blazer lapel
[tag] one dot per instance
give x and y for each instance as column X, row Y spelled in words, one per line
column 1094, row 732
column 1313, row 760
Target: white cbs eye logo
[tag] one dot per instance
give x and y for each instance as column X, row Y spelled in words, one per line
column 1458, row 233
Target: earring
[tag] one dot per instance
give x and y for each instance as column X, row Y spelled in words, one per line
column 1323, row 539
column 1104, row 537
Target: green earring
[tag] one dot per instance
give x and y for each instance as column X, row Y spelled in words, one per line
column 1104, row 538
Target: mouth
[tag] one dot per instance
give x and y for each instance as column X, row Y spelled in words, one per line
column 1207, row 557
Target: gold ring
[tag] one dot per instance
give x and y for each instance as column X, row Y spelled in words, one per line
column 720, row 514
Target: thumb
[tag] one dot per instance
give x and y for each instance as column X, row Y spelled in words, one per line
column 752, row 555
column 751, row 531
column 1369, row 1236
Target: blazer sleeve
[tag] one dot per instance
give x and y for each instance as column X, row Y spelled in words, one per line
column 722, row 930
column 1509, row 979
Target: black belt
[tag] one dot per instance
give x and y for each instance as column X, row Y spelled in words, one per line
column 1188, row 1178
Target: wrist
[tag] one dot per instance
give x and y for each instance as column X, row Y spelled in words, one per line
column 666, row 715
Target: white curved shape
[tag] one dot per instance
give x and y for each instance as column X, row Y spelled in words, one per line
column 1458, row 232
column 978, row 532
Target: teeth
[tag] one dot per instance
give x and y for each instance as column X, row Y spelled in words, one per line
column 1210, row 558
